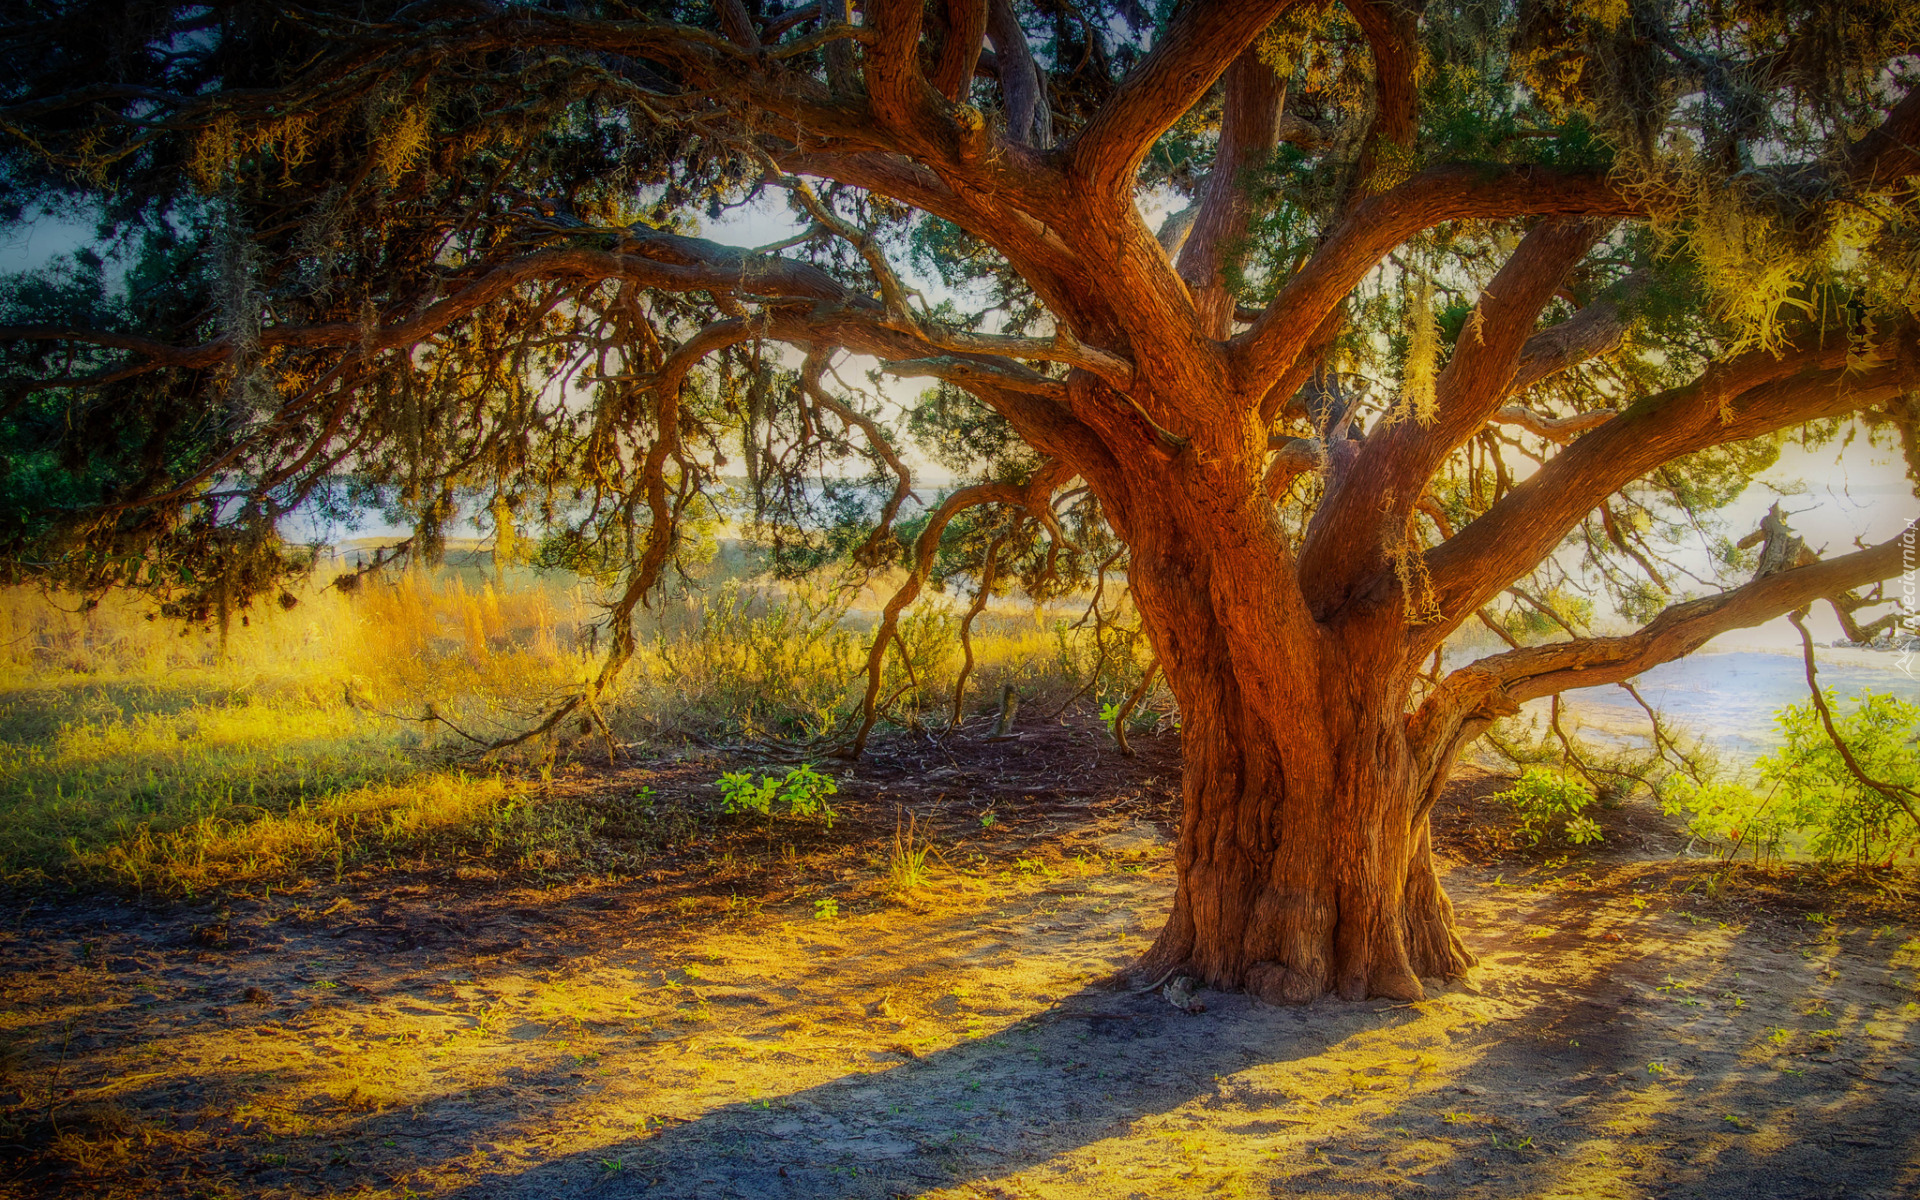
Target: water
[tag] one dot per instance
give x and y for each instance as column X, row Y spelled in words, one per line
column 1728, row 697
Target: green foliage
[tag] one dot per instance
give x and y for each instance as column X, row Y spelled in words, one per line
column 803, row 792
column 67, row 454
column 1551, row 806
column 1727, row 813
column 964, row 435
column 739, row 794
column 1805, row 799
column 907, row 859
column 1564, row 608
column 1140, row 718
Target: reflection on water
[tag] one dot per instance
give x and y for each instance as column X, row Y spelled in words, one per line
column 1729, row 698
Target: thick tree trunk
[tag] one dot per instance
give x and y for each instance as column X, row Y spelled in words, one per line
column 1290, row 887
column 1305, row 865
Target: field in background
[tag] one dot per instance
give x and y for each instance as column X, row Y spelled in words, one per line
column 350, row 727
column 347, row 727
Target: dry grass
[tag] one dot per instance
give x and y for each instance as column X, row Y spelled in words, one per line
column 137, row 754
column 141, row 755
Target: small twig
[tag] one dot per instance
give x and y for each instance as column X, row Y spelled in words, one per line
column 1126, row 710
column 1662, row 741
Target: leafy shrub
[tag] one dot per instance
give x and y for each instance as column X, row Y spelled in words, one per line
column 1727, row 813
column 803, row 792
column 1546, row 799
column 757, row 660
column 1806, row 799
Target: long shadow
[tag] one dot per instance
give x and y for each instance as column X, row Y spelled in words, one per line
column 1672, row 1072
column 1594, row 1068
column 1551, row 1092
column 928, row 1123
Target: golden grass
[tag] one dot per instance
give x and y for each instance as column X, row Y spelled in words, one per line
column 135, row 754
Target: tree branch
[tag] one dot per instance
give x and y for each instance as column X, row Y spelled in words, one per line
column 1249, row 131
column 1554, row 429
column 1898, row 793
column 1742, row 398
column 1595, row 330
column 647, row 257
column 1343, row 544
column 1890, row 154
column 1196, row 49
column 1029, row 123
column 1391, row 29
column 1372, row 228
column 902, row 99
column 1032, row 496
column 1471, row 698
column 810, row 373
column 1680, row 629
column 966, row 27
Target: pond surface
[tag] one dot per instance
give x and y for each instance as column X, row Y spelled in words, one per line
column 1729, row 697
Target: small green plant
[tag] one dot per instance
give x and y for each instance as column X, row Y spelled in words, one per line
column 1582, row 830
column 803, row 792
column 1544, row 799
column 827, row 909
column 907, row 862
column 740, row 794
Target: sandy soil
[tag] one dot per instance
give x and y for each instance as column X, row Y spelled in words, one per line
column 1638, row 1027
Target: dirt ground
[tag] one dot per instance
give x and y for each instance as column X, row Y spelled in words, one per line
column 1640, row 1025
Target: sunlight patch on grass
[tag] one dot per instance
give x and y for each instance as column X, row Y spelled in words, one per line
column 136, row 753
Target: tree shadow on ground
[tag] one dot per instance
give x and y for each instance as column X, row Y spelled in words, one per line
column 510, row 1048
column 1088, row 1069
column 1578, row 1066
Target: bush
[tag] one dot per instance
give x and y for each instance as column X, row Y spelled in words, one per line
column 803, row 791
column 1546, row 799
column 1728, row 814
column 1806, row 799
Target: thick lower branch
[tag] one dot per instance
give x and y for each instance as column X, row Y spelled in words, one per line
column 1497, row 685
column 1743, row 399
column 1032, row 496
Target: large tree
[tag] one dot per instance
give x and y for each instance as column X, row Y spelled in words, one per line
column 1439, row 310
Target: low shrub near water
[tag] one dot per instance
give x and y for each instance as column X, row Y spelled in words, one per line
column 1802, row 798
